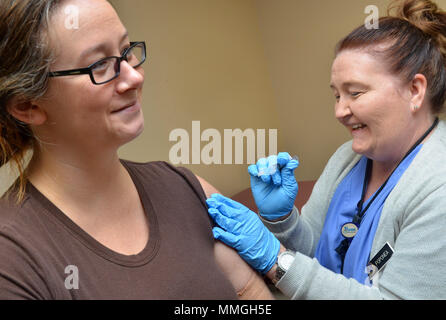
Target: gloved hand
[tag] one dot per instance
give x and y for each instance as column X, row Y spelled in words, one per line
column 273, row 185
column 241, row 229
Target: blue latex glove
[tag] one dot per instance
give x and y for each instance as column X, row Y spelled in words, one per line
column 242, row 229
column 273, row 185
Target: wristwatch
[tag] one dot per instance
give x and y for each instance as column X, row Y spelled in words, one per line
column 284, row 262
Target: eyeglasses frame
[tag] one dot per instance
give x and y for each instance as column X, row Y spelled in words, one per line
column 89, row 70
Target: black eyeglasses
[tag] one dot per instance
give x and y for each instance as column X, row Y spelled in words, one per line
column 107, row 69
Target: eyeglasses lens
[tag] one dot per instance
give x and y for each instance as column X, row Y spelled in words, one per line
column 107, row 69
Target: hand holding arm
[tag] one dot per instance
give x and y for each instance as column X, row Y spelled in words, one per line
column 248, row 283
column 240, row 228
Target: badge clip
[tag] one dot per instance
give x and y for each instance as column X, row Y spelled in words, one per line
column 349, row 230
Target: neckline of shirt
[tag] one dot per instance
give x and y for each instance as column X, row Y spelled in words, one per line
column 143, row 257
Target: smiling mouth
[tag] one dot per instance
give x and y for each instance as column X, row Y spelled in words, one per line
column 358, row 126
column 123, row 108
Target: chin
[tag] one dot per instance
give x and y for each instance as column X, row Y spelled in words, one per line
column 359, row 149
column 131, row 133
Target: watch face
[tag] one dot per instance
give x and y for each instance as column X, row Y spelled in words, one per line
column 286, row 260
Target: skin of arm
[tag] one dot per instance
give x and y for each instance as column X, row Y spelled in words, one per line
column 248, row 283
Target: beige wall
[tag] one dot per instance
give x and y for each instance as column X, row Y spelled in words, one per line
column 241, row 64
column 207, row 63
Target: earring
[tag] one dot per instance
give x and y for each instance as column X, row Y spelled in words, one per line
column 415, row 108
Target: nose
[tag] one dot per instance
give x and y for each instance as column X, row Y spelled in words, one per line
column 342, row 110
column 129, row 77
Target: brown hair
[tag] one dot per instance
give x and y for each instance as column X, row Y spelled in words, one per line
column 25, row 58
column 415, row 40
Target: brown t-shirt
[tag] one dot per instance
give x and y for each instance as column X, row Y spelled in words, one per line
column 45, row 255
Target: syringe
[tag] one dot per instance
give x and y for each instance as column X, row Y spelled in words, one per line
column 272, row 167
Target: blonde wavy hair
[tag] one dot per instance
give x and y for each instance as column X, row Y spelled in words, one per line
column 25, row 62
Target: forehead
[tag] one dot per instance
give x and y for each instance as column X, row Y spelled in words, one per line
column 76, row 25
column 356, row 65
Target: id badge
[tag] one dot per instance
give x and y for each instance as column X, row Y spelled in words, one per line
column 379, row 260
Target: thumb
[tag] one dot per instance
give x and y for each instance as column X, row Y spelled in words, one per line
column 288, row 171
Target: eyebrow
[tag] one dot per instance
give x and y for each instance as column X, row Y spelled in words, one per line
column 349, row 84
column 99, row 47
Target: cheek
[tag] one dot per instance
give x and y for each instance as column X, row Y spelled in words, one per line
column 77, row 101
column 385, row 116
column 367, row 108
column 376, row 107
column 93, row 101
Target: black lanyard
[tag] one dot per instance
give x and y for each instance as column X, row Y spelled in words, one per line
column 353, row 227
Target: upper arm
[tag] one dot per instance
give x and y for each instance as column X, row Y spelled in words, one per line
column 245, row 280
column 207, row 187
column 420, row 251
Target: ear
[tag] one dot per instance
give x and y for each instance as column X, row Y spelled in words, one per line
column 26, row 111
column 418, row 88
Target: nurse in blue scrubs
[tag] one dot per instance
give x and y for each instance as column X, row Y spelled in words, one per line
column 389, row 85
